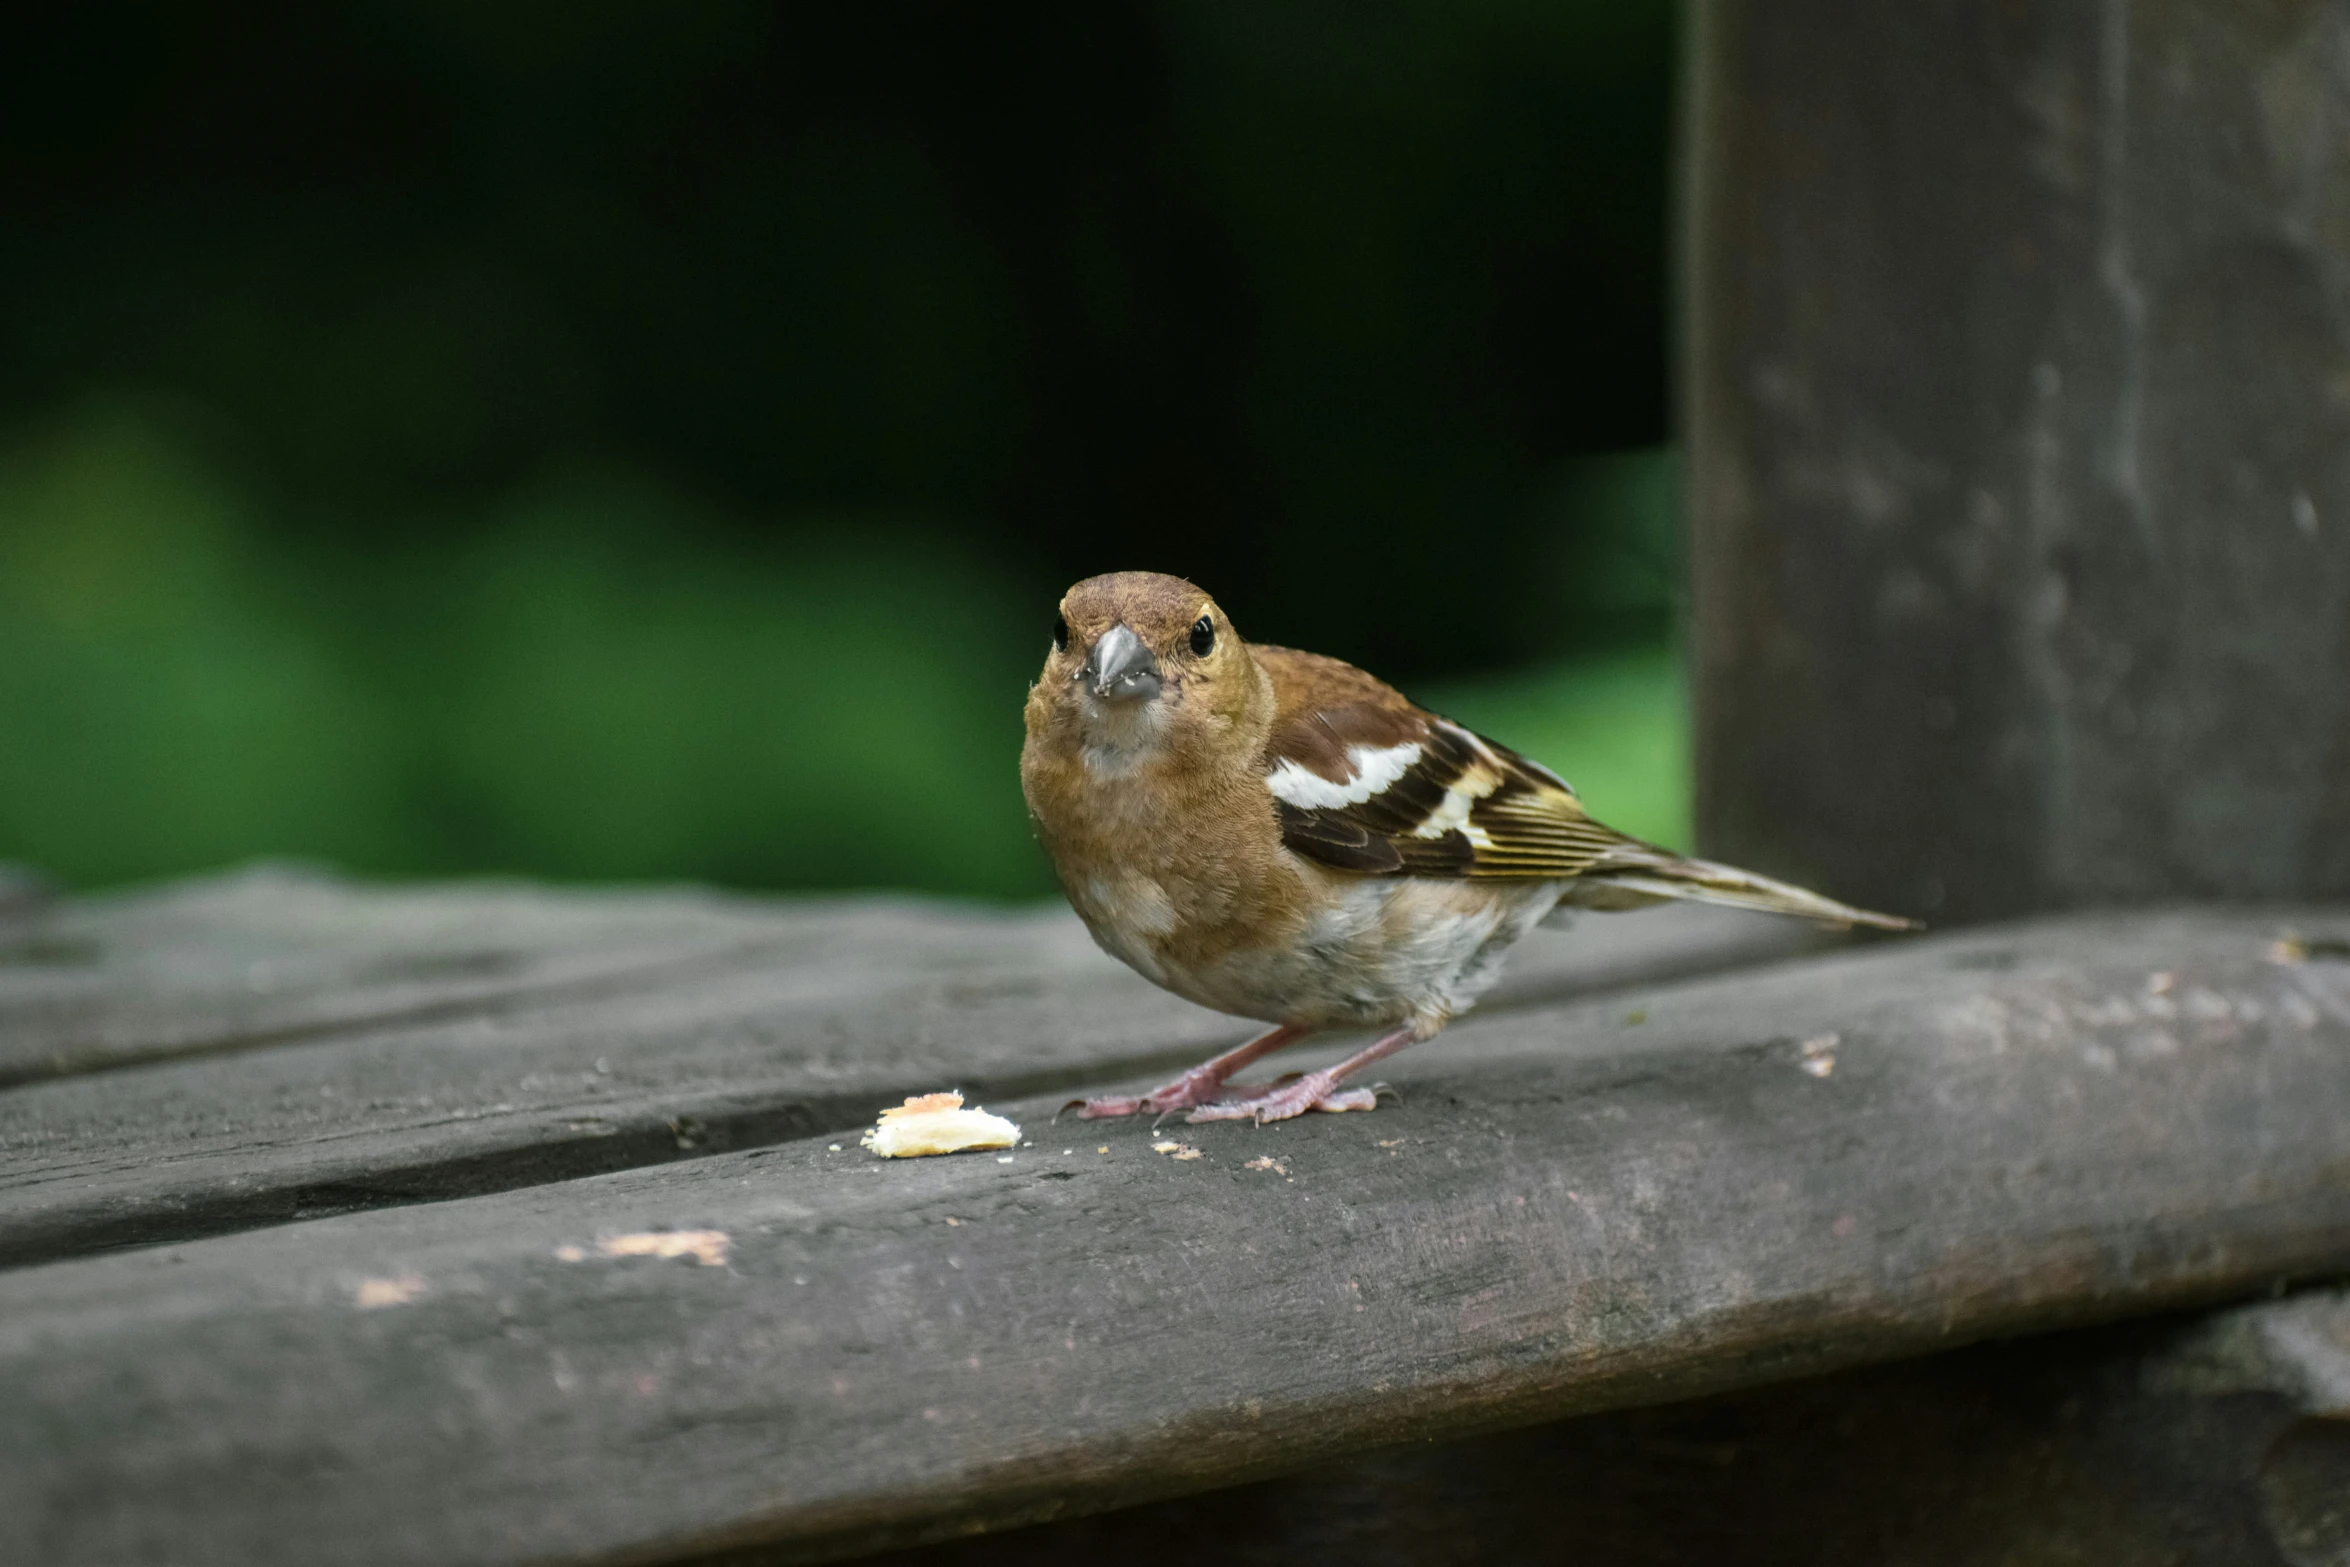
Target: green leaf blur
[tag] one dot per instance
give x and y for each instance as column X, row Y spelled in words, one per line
column 576, row 693
column 599, row 684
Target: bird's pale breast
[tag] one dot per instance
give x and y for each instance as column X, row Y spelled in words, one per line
column 1367, row 952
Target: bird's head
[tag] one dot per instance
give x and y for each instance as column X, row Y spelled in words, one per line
column 1142, row 666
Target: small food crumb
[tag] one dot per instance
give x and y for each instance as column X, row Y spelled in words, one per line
column 398, row 1290
column 1066, row 1152
column 937, row 1123
column 1176, row 1150
column 1104, row 1148
column 832, row 1148
column 1003, row 1159
column 1392, row 1142
column 954, row 1224
column 707, row 1247
column 1819, row 1054
column 1266, row 1161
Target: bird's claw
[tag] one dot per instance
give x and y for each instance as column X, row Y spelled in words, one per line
column 1192, row 1088
column 1287, row 1098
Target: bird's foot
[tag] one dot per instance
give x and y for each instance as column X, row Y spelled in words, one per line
column 1198, row 1086
column 1291, row 1096
column 1203, row 1084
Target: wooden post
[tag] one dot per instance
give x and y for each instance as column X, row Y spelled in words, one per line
column 2018, row 401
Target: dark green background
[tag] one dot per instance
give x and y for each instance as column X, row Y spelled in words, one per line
column 636, row 441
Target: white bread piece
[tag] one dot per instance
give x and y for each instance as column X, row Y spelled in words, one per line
column 937, row 1123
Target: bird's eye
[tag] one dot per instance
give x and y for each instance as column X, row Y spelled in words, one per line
column 1060, row 633
column 1203, row 636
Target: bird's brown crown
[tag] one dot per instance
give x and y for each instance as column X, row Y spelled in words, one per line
column 1159, row 609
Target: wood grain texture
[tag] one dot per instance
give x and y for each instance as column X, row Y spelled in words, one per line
column 2018, row 392
column 1815, row 1165
column 2160, row 1443
column 274, row 957
column 270, row 1047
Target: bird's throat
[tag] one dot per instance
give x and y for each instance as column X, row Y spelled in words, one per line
column 1120, row 738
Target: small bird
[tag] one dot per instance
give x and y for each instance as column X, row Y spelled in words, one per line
column 1281, row 836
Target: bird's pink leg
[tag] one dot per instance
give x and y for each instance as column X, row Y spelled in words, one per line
column 1314, row 1091
column 1198, row 1086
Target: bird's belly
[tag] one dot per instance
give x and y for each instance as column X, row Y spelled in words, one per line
column 1377, row 951
column 1129, row 914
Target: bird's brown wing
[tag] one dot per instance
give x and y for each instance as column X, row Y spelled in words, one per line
column 1362, row 780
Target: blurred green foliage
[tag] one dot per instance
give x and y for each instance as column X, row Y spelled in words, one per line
column 570, row 692
column 595, row 684
column 647, row 441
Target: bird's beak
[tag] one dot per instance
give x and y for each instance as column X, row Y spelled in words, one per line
column 1120, row 666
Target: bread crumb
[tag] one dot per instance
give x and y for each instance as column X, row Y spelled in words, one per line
column 398, row 1290
column 707, row 1247
column 1819, row 1054
column 937, row 1123
column 1176, row 1150
column 1265, row 1161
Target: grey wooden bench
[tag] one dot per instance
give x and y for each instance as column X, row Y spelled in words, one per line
column 492, row 1225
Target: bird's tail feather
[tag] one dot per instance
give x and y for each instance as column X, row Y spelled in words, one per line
column 1631, row 875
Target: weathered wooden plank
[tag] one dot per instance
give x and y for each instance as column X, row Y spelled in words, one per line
column 1814, row 1165
column 2218, row 1443
column 275, row 956
column 415, row 1045
column 2018, row 342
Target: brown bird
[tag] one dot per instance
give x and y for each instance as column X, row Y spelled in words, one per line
column 1279, row 835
